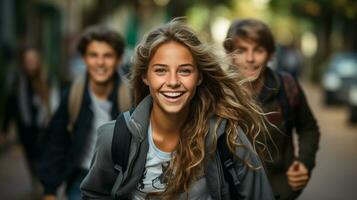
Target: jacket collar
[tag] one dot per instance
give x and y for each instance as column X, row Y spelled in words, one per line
column 140, row 119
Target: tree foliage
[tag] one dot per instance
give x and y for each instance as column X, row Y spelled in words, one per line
column 100, row 9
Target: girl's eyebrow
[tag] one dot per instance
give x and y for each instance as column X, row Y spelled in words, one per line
column 186, row 65
column 160, row 65
column 181, row 65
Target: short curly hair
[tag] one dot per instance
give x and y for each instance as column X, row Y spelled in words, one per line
column 103, row 34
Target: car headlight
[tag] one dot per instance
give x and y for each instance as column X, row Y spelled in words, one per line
column 353, row 95
column 331, row 82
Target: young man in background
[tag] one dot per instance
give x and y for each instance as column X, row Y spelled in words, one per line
column 251, row 45
column 92, row 100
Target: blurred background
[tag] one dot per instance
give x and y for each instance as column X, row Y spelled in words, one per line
column 316, row 42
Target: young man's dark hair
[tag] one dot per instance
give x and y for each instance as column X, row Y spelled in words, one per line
column 249, row 29
column 250, row 43
column 94, row 98
column 103, row 34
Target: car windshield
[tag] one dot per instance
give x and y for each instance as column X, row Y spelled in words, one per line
column 345, row 66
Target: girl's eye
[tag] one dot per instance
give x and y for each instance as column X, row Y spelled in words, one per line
column 185, row 71
column 160, row 70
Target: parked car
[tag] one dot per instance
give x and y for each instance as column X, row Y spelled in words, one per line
column 352, row 104
column 339, row 78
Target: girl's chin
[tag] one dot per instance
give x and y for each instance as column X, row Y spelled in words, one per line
column 252, row 77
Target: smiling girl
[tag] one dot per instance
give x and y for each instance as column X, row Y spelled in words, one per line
column 185, row 103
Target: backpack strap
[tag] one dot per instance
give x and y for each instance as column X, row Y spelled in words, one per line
column 75, row 100
column 121, row 141
column 120, row 148
column 227, row 162
column 291, row 89
column 288, row 98
column 124, row 100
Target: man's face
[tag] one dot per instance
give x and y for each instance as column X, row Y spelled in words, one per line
column 101, row 61
column 250, row 58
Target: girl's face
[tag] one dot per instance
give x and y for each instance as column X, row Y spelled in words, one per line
column 31, row 62
column 172, row 77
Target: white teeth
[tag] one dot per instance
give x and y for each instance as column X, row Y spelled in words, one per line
column 172, row 94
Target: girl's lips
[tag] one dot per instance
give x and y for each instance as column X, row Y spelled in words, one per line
column 172, row 94
column 172, row 97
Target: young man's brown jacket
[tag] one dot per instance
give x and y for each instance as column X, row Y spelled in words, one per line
column 302, row 121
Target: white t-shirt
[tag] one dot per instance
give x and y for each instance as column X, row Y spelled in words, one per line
column 152, row 180
column 101, row 114
column 156, row 163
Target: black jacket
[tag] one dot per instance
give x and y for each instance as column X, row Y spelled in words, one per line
column 21, row 108
column 63, row 150
column 304, row 123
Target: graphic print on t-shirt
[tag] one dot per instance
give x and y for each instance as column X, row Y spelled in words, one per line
column 159, row 182
column 154, row 181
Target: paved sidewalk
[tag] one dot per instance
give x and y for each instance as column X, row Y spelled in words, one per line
column 15, row 181
column 335, row 176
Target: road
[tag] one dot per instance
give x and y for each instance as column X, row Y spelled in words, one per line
column 334, row 178
column 335, row 175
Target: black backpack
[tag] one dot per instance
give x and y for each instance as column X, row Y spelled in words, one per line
column 121, row 147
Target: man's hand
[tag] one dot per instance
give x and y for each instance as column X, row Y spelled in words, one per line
column 49, row 197
column 298, row 175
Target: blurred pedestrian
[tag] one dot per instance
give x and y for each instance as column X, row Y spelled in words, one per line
column 185, row 105
column 290, row 59
column 250, row 43
column 92, row 99
column 28, row 104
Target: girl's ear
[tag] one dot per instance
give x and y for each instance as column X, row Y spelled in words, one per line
column 145, row 80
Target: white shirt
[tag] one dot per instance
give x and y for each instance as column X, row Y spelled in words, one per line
column 152, row 180
column 101, row 114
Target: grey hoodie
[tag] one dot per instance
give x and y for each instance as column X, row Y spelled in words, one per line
column 103, row 174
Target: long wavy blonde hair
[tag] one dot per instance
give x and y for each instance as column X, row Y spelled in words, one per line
column 219, row 94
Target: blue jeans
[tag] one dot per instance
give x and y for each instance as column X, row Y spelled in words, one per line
column 73, row 191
